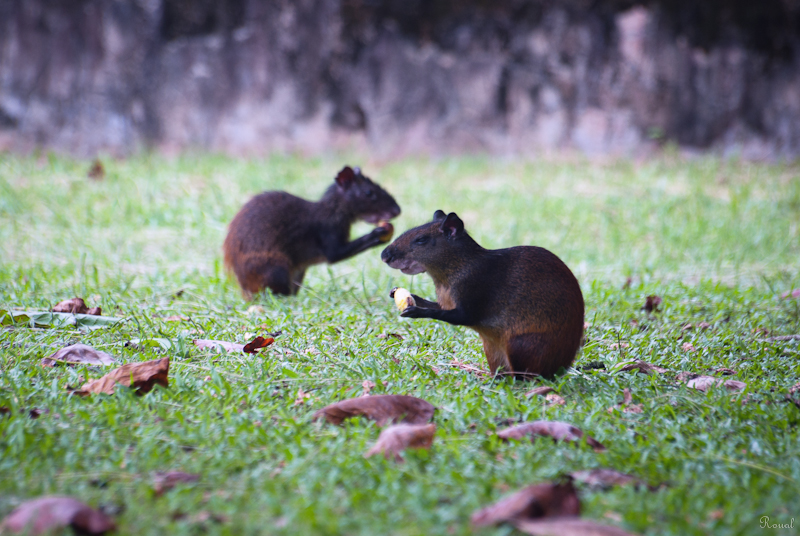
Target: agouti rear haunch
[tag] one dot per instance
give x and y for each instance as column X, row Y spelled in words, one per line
column 524, row 302
column 276, row 236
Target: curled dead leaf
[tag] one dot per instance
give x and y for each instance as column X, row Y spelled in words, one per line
column 643, row 367
column 379, row 408
column 606, row 478
column 256, row 344
column 725, row 371
column 560, row 431
column 688, row 347
column 367, row 386
column 568, row 526
column 532, row 502
column 651, row 304
column 704, row 383
column 76, row 306
column 76, row 354
column 140, row 376
column 166, row 481
column 540, row 391
column 554, row 399
column 45, row 514
column 250, row 347
column 396, row 438
column 388, row 335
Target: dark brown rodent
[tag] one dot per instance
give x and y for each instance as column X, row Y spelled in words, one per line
column 524, row 302
column 276, row 236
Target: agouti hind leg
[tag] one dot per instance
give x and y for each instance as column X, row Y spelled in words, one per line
column 256, row 278
column 538, row 353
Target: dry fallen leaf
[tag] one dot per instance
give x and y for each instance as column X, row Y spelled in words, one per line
column 140, row 376
column 97, row 172
column 367, row 386
column 166, row 481
column 606, row 478
column 555, row 429
column 45, row 514
column 688, row 347
column 554, row 399
column 250, row 347
column 651, row 304
column 643, row 367
column 396, row 438
column 537, row 501
column 469, row 368
column 725, row 371
column 379, row 408
column 76, row 306
column 704, row 383
column 387, row 335
column 541, row 391
column 568, row 526
column 78, row 354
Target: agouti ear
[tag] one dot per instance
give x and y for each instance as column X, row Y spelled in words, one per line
column 439, row 215
column 345, row 177
column 452, row 225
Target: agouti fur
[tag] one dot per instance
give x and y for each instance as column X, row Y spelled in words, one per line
column 524, row 302
column 276, row 236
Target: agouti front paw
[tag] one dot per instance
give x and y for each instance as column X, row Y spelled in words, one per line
column 412, row 311
column 384, row 231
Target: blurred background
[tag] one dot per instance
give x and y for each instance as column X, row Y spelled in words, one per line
column 401, row 77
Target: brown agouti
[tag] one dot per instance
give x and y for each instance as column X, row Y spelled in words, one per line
column 276, row 236
column 523, row 301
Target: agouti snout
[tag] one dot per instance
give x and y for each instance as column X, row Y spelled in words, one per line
column 276, row 236
column 523, row 301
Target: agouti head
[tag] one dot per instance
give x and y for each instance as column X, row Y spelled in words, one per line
column 357, row 195
column 431, row 247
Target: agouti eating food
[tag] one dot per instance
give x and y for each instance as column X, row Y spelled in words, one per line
column 276, row 236
column 523, row 301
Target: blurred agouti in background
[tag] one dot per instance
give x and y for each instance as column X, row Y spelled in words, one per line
column 276, row 236
column 523, row 301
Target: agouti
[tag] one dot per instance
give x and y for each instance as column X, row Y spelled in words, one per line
column 276, row 236
column 524, row 302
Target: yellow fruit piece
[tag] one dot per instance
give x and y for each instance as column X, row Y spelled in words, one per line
column 389, row 227
column 403, row 298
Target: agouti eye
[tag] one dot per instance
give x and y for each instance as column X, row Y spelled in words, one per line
column 369, row 192
column 421, row 240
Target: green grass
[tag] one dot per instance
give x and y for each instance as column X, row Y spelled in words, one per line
column 718, row 240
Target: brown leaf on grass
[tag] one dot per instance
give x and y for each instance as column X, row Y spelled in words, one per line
column 140, row 376
column 626, row 406
column 75, row 306
column 302, row 396
column 396, row 438
column 257, row 343
column 540, row 391
column 688, row 347
column 795, row 293
column 560, row 431
column 651, row 304
column 469, row 368
column 643, row 367
column 78, row 354
column 554, row 399
column 533, row 502
column 784, row 338
column 568, row 526
column 388, row 335
column 5, row 410
column 794, row 388
column 606, row 478
column 704, row 383
column 379, row 408
column 97, row 172
column 367, row 386
column 725, row 371
column 166, row 481
column 46, row 514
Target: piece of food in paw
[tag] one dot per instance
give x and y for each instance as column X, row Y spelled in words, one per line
column 402, row 298
column 389, row 230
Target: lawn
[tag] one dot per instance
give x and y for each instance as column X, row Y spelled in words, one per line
column 717, row 240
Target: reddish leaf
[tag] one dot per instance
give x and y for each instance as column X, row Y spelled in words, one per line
column 96, row 172
column 688, row 347
column 166, row 481
column 651, row 304
column 140, row 376
column 560, row 431
column 45, row 514
column 379, row 408
column 394, row 439
column 255, row 344
column 78, row 354
column 533, row 502
column 74, row 306
column 643, row 367
column 367, row 386
column 795, row 293
column 554, row 399
column 704, row 383
column 568, row 526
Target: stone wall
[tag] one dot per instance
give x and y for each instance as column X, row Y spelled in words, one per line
column 398, row 77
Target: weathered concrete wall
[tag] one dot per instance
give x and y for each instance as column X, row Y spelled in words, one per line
column 399, row 77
